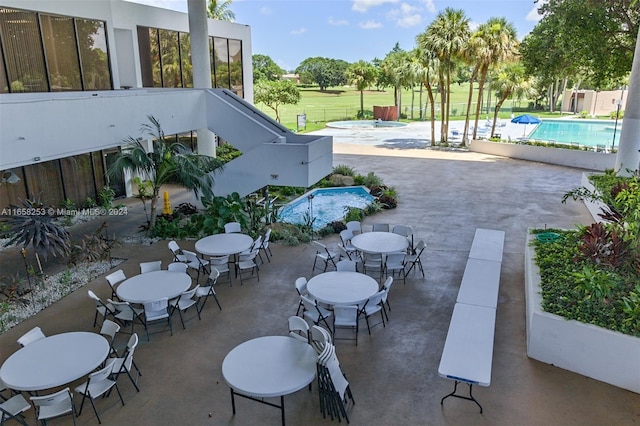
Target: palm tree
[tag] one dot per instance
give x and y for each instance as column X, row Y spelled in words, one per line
column 494, row 42
column 428, row 77
column 510, row 81
column 221, row 10
column 395, row 70
column 447, row 37
column 168, row 162
column 362, row 74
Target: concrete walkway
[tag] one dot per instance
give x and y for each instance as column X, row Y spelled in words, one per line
column 445, row 196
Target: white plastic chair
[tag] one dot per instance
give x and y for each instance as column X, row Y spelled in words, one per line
column 114, row 279
column 319, row 338
column 31, row 336
column 414, row 260
column 346, row 236
column 127, row 313
column 54, row 405
column 183, row 302
column 247, row 262
column 98, row 384
column 355, row 227
column 346, row 316
column 314, row 312
column 326, row 257
column 380, row 227
column 103, row 309
column 204, row 292
column 373, row 262
column 373, row 306
column 177, row 267
column 395, row 262
column 109, row 329
column 196, row 263
column 301, row 288
column 264, row 247
column 178, row 256
column 346, row 265
column 232, row 227
column 157, row 310
column 123, row 364
column 386, row 287
column 298, row 328
column 405, row 231
column 221, row 264
column 13, row 408
column 145, row 267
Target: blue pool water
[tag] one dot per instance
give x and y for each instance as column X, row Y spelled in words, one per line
column 584, row 132
column 328, row 205
column 364, row 124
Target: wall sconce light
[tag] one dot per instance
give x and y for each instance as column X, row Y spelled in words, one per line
column 36, row 158
column 10, row 177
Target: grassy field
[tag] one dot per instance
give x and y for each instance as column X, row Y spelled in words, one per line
column 343, row 103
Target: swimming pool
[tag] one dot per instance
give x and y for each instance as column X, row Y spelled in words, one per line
column 364, row 124
column 584, row 132
column 326, row 205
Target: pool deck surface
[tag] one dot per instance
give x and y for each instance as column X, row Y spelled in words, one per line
column 393, row 373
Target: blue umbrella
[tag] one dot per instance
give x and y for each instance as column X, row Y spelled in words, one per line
column 526, row 119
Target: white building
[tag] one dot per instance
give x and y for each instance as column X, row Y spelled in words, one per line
column 79, row 77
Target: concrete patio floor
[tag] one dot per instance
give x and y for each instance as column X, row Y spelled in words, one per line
column 393, row 373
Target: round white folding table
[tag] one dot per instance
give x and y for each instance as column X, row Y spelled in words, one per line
column 223, row 244
column 380, row 242
column 153, row 286
column 342, row 288
column 270, row 366
column 54, row 361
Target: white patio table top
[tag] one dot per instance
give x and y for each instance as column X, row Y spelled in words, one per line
column 54, row 361
column 153, row 286
column 480, row 283
column 270, row 366
column 342, row 288
column 488, row 244
column 223, row 244
column 380, row 242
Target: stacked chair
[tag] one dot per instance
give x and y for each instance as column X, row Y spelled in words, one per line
column 333, row 387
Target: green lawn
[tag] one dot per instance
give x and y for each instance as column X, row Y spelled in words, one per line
column 343, row 103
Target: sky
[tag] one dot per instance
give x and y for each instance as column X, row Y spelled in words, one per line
column 289, row 31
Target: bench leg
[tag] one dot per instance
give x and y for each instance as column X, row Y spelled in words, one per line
column 468, row 398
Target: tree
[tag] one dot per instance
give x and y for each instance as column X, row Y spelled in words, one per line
column 362, row 74
column 397, row 72
column 494, row 42
column 167, row 162
column 429, row 78
column 324, row 72
column 508, row 81
column 276, row 93
column 221, row 10
column 265, row 69
column 447, row 36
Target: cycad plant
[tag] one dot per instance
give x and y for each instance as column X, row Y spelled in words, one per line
column 167, row 162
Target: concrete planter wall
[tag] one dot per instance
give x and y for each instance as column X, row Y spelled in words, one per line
column 562, row 157
column 586, row 349
column 594, row 207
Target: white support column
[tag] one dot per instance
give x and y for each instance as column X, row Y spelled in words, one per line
column 201, row 61
column 628, row 157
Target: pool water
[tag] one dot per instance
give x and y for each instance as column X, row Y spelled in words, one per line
column 364, row 124
column 584, row 132
column 327, row 205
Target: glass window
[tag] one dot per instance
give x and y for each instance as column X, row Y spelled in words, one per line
column 154, row 45
column 77, row 172
column 23, row 50
column 94, row 56
column 4, row 83
column 185, row 57
column 235, row 67
column 170, row 51
column 62, row 53
column 221, row 62
column 45, row 182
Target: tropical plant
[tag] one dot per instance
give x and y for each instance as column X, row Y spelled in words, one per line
column 265, row 69
column 221, row 210
column 93, row 247
column 343, row 169
column 167, row 162
column 37, row 227
column 274, row 93
column 509, row 80
column 221, row 10
column 362, row 74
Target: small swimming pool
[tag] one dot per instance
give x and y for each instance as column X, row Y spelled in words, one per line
column 364, row 124
column 584, row 132
column 325, row 204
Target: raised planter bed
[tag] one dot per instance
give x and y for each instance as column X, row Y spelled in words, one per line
column 586, row 349
column 594, row 207
column 563, row 157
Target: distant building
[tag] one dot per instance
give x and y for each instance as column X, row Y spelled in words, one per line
column 293, row 77
column 594, row 102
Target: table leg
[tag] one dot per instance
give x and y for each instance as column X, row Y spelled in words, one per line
column 233, row 402
column 282, row 408
column 468, row 398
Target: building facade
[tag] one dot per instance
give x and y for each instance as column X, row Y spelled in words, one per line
column 79, row 77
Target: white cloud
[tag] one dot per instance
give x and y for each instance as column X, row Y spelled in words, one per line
column 298, row 31
column 364, row 5
column 473, row 25
column 370, row 25
column 428, row 4
column 265, row 11
column 409, row 21
column 337, row 22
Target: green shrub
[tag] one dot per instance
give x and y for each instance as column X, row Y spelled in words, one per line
column 342, row 169
column 372, row 180
column 583, row 114
column 620, row 114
